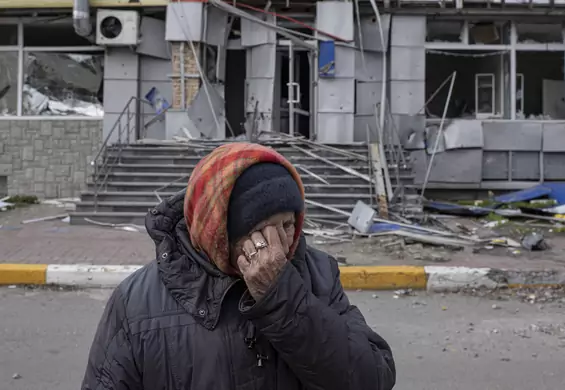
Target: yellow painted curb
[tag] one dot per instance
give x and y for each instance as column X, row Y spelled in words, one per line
column 383, row 277
column 22, row 274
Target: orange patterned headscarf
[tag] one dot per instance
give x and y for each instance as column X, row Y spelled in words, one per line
column 208, row 195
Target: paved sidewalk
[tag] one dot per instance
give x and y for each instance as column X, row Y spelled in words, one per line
column 56, row 242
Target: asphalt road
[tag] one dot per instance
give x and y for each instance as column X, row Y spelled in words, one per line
column 440, row 342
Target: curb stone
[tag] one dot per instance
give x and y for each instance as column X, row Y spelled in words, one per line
column 431, row 278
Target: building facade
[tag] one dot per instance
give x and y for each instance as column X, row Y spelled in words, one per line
column 333, row 71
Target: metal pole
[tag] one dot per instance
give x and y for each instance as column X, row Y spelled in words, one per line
column 439, row 134
column 290, row 88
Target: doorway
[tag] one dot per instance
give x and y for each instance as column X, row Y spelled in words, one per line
column 296, row 76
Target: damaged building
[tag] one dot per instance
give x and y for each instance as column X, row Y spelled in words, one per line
column 472, row 92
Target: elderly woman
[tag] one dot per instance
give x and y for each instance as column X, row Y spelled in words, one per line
column 235, row 298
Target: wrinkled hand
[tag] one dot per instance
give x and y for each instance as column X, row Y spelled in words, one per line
column 265, row 257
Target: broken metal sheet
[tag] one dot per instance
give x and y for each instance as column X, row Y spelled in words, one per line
column 184, row 21
column 254, row 34
column 432, row 132
column 463, row 133
column 202, row 115
column 263, row 122
column 361, row 217
column 216, row 26
column 269, row 24
column 152, row 32
column 370, row 33
column 411, row 130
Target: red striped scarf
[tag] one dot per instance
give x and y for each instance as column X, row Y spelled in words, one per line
column 208, row 195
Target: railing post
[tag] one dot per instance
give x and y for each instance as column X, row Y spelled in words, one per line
column 128, row 127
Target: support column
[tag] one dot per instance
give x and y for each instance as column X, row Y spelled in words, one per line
column 513, row 39
column 336, row 91
column 261, row 54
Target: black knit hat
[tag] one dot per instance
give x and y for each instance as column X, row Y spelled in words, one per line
column 261, row 191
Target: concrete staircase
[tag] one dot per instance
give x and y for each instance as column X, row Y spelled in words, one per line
column 141, row 173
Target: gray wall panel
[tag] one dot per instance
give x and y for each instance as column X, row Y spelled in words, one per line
column 121, row 63
column 408, row 30
column 335, row 128
column 553, row 165
column 457, row 166
column 495, row 165
column 525, row 166
column 360, row 133
column 336, row 95
column 336, row 18
column 407, row 63
column 407, row 97
column 368, row 95
column 373, row 68
column 184, row 21
column 554, row 137
column 517, row 136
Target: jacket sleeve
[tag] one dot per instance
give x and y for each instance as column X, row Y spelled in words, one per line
column 111, row 364
column 327, row 346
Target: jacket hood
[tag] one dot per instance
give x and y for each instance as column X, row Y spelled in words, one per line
column 208, row 195
column 191, row 278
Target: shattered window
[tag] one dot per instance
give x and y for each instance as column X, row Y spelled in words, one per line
column 8, row 83
column 8, row 35
column 62, row 84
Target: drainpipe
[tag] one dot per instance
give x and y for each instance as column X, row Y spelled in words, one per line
column 81, row 18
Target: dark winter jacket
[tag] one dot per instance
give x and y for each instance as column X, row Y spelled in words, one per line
column 180, row 324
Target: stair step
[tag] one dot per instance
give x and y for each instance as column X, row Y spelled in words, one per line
column 181, row 159
column 134, row 206
column 133, row 177
column 138, row 218
column 151, row 197
column 319, row 169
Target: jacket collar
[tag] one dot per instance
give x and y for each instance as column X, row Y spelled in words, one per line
column 193, row 281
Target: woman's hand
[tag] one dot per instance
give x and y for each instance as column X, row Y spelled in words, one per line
column 265, row 256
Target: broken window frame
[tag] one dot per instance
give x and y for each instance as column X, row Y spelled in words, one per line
column 513, row 46
column 21, row 49
column 492, row 85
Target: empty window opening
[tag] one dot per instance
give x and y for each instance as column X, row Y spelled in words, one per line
column 543, row 94
column 539, row 33
column 479, row 86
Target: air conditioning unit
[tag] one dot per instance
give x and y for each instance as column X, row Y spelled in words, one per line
column 117, row 28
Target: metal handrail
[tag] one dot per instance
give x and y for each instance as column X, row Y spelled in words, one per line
column 103, row 159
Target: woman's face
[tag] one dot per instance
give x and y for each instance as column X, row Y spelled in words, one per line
column 284, row 222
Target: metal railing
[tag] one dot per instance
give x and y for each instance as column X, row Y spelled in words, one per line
column 129, row 129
